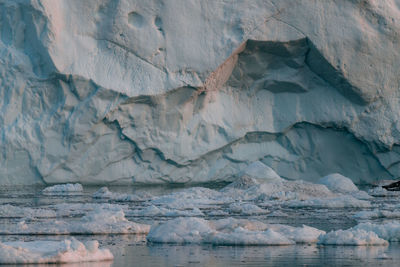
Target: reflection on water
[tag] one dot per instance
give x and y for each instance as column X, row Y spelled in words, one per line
column 303, row 255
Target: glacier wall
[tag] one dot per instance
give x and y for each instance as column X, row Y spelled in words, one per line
column 118, row 91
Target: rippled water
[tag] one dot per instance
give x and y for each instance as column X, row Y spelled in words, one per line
column 133, row 250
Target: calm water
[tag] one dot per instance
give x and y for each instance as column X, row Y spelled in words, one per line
column 133, row 250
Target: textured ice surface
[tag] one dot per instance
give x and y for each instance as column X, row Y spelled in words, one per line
column 67, row 251
column 346, row 201
column 389, row 231
column 153, row 211
column 144, row 92
column 230, row 232
column 338, row 183
column 10, row 211
column 382, row 192
column 358, row 237
column 107, row 194
column 63, row 189
column 101, row 220
column 375, row 214
column 260, row 171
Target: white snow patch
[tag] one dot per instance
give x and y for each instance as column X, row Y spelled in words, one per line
column 67, row 251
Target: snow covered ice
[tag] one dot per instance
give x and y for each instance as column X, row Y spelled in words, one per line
column 98, row 221
column 67, row 251
column 63, row 189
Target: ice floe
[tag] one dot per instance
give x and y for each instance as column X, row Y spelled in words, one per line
column 11, row 211
column 389, row 231
column 105, row 193
column 375, row 214
column 230, row 232
column 354, row 237
column 63, row 189
column 153, row 211
column 67, row 251
column 98, row 221
column 343, row 201
column 195, row 197
column 246, row 209
column 382, row 192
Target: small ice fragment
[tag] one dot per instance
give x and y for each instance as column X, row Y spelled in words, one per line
column 63, row 189
column 105, row 193
column 344, row 201
column 247, row 209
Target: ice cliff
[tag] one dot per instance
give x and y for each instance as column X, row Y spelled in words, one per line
column 118, row 91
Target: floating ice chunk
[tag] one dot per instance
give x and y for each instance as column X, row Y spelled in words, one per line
column 338, row 183
column 361, row 195
column 181, row 230
column 98, row 221
column 381, row 192
column 105, row 193
column 374, row 214
column 286, row 190
column 67, row 251
column 80, row 209
column 230, row 224
column 247, row 209
column 259, row 170
column 388, row 231
column 305, row 234
column 230, row 232
column 191, row 198
column 353, row 237
column 153, row 211
column 11, row 211
column 63, row 189
column 241, row 236
column 344, row 201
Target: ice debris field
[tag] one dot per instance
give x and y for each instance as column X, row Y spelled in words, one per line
column 258, row 208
